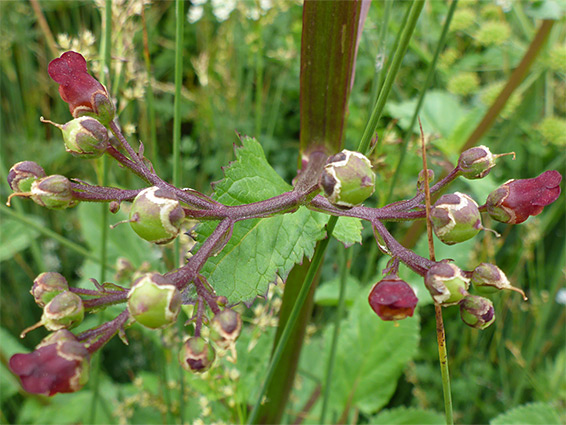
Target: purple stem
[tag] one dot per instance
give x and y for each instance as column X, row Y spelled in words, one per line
column 200, row 313
column 104, row 333
column 415, row 262
column 86, row 192
column 137, row 165
column 93, row 292
column 115, row 298
column 417, row 200
column 204, row 293
column 214, row 243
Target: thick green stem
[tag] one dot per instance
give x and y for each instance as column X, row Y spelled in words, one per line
column 293, row 318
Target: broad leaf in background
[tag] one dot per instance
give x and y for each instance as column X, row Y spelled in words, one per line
column 408, row 416
column 261, row 249
column 16, row 237
column 370, row 358
column 371, row 355
column 529, row 414
column 9, row 384
column 122, row 241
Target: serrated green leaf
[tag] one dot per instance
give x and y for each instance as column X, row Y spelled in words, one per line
column 261, row 249
column 529, row 414
column 408, row 416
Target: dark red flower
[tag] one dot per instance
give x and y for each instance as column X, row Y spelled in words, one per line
column 58, row 365
column 392, row 299
column 516, row 200
column 84, row 94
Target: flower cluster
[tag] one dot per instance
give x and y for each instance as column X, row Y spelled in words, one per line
column 336, row 185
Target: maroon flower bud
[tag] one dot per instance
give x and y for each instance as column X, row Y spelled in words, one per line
column 225, row 328
column 477, row 312
column 392, row 299
column 46, row 286
column 60, row 364
column 196, row 355
column 516, row 200
column 447, row 283
column 421, row 179
column 84, row 94
column 23, row 174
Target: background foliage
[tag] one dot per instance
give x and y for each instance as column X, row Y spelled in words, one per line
column 242, row 74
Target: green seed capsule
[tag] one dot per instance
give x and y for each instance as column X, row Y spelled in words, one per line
column 154, row 302
column 347, row 179
column 156, row 215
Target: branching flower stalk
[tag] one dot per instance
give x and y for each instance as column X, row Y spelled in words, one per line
column 336, row 185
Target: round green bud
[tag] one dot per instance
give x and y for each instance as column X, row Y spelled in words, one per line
column 477, row 312
column 64, row 311
column 421, row 179
column 154, row 302
column 46, row 286
column 53, row 192
column 196, row 355
column 85, row 137
column 455, row 218
column 156, row 215
column 447, row 283
column 225, row 328
column 23, row 174
column 488, row 278
column 477, row 162
column 347, row 179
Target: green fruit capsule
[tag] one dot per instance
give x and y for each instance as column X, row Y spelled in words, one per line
column 225, row 328
column 196, row 355
column 488, row 278
column 447, row 283
column 156, row 215
column 64, row 311
column 477, row 312
column 53, row 192
column 85, row 137
column 154, row 302
column 46, row 286
column 347, row 179
column 23, row 174
column 455, row 218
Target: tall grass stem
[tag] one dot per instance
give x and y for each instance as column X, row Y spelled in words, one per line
column 344, row 271
column 103, row 180
column 408, row 30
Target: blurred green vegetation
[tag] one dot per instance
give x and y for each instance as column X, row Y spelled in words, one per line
column 242, row 74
